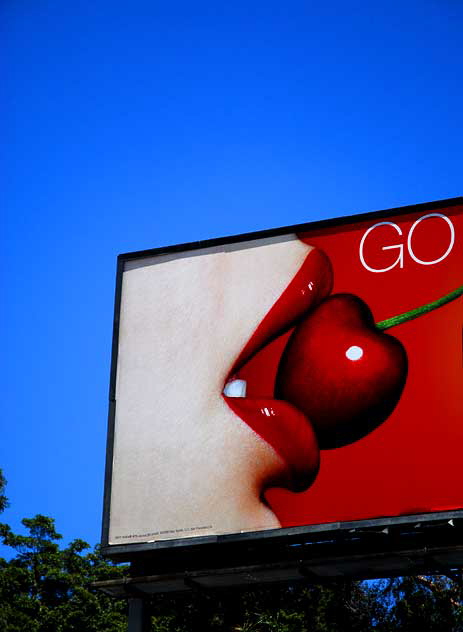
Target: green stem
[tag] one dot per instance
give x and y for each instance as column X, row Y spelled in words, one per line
column 419, row 311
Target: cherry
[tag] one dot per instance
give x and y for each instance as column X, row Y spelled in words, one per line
column 341, row 371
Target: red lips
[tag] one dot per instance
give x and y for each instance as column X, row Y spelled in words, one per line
column 278, row 422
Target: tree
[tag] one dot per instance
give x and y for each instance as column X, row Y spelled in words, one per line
column 3, row 499
column 344, row 606
column 403, row 604
column 48, row 589
column 422, row 603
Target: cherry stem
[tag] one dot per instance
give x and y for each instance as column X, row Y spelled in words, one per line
column 419, row 311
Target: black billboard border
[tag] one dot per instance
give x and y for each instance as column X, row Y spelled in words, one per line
column 126, row 552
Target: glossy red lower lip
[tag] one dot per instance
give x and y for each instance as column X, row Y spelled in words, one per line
column 278, row 422
column 287, row 430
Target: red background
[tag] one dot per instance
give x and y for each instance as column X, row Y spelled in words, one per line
column 412, row 462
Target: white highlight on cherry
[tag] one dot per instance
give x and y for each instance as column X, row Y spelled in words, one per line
column 235, row 388
column 354, row 353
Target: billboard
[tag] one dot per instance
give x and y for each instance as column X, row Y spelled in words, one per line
column 299, row 376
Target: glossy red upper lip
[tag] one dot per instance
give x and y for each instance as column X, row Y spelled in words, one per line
column 278, row 422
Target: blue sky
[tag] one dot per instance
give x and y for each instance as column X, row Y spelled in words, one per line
column 128, row 126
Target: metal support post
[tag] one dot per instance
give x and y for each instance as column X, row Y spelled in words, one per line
column 138, row 615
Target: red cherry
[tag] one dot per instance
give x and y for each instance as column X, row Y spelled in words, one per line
column 341, row 371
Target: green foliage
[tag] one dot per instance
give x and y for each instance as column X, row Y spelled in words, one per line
column 406, row 604
column 48, row 589
column 432, row 604
column 3, row 498
column 343, row 606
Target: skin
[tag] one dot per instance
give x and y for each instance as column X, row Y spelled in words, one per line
column 183, row 460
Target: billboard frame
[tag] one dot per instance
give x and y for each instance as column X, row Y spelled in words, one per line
column 123, row 552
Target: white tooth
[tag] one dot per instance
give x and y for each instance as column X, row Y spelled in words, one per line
column 235, row 388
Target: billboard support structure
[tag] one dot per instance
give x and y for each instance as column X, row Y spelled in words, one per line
column 418, row 545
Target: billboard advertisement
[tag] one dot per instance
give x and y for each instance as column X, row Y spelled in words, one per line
column 300, row 376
